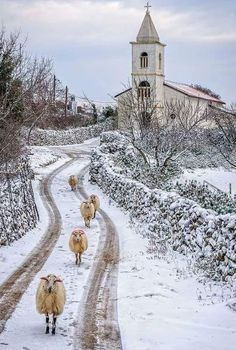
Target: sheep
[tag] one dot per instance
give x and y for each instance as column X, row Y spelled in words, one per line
column 50, row 299
column 73, row 182
column 87, row 211
column 78, row 243
column 96, row 202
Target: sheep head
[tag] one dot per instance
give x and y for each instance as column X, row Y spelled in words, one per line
column 50, row 285
column 93, row 198
column 87, row 204
column 77, row 234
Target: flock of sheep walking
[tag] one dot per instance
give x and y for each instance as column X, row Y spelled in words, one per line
column 51, row 295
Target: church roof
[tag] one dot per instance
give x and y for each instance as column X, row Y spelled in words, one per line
column 147, row 32
column 122, row 92
column 186, row 90
column 191, row 91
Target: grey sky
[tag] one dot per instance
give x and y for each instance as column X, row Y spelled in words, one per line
column 89, row 40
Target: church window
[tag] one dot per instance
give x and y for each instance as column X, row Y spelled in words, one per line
column 159, row 60
column 144, row 60
column 144, row 90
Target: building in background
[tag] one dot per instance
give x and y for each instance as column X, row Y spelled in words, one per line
column 148, row 75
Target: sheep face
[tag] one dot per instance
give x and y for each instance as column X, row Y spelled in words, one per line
column 77, row 235
column 93, row 198
column 87, row 205
column 51, row 283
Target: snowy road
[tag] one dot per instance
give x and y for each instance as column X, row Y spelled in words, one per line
column 13, row 288
column 160, row 304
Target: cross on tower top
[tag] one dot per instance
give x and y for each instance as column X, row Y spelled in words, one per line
column 147, row 6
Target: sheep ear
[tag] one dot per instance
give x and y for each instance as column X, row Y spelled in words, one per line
column 58, row 280
column 44, row 278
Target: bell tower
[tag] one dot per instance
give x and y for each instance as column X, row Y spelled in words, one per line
column 148, row 61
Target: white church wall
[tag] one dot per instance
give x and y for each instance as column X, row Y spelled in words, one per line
column 153, row 51
column 172, row 96
column 123, row 110
column 148, row 42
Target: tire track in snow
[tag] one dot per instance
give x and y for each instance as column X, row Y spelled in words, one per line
column 12, row 290
column 98, row 326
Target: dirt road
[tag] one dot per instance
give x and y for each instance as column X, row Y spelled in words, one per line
column 98, row 327
column 97, row 324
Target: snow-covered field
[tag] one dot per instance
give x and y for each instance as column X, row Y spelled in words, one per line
column 161, row 306
column 160, row 303
column 219, row 177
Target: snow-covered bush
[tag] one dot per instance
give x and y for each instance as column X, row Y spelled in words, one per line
column 220, row 202
column 18, row 211
column 41, row 137
column 166, row 215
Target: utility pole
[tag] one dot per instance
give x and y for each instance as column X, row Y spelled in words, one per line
column 54, row 88
column 66, row 100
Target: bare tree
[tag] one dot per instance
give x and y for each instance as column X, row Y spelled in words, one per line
column 164, row 132
column 223, row 137
column 26, row 92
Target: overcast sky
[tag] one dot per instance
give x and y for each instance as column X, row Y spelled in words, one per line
column 88, row 41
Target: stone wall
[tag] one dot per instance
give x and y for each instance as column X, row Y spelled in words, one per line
column 166, row 216
column 18, row 211
column 40, row 137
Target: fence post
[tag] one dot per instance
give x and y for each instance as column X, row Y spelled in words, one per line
column 230, row 188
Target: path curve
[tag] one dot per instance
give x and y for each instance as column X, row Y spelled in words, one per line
column 12, row 290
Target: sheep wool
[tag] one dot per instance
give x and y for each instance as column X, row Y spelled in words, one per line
column 73, row 182
column 50, row 298
column 78, row 243
column 87, row 212
column 96, row 202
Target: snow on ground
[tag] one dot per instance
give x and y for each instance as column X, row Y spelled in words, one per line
column 160, row 304
column 25, row 330
column 219, row 177
column 13, row 255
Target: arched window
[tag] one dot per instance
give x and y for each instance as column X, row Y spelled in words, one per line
column 144, row 60
column 144, row 90
column 159, row 60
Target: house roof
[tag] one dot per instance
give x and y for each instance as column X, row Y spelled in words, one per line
column 147, row 32
column 191, row 91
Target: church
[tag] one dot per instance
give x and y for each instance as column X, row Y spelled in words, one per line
column 148, row 74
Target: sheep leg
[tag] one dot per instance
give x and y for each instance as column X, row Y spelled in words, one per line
column 47, row 324
column 76, row 258
column 94, row 214
column 54, row 324
column 79, row 258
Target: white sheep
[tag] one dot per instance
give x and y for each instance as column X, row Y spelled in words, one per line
column 50, row 299
column 87, row 211
column 73, row 182
column 78, row 243
column 96, row 202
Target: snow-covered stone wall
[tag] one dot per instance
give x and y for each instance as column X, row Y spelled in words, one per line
column 166, row 216
column 40, row 137
column 18, row 211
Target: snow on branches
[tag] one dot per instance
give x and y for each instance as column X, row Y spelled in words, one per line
column 189, row 228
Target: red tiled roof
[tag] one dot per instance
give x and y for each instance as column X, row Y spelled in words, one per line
column 191, row 91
